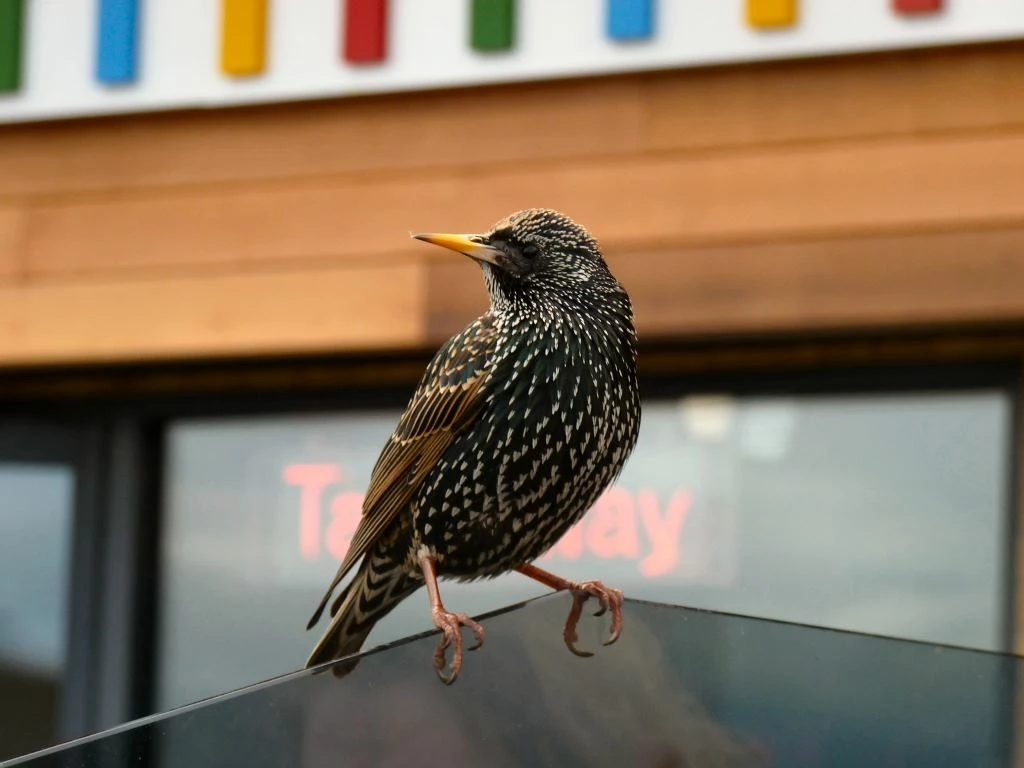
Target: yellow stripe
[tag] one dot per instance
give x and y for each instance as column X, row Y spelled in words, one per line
column 771, row 13
column 243, row 37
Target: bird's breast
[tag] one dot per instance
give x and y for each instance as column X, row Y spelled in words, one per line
column 559, row 422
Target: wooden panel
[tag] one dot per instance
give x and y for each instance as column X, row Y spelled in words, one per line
column 909, row 93
column 637, row 204
column 414, row 132
column 342, row 309
column 843, row 284
column 830, row 284
column 11, row 223
column 918, row 92
column 455, row 295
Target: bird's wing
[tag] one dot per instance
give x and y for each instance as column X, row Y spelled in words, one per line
column 448, row 399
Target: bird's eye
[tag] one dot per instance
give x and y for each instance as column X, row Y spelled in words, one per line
column 530, row 251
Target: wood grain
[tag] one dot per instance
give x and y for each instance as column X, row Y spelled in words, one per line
column 843, row 284
column 286, row 312
column 636, row 203
column 918, row 92
column 413, row 132
column 905, row 93
column 863, row 192
column 852, row 284
column 12, row 221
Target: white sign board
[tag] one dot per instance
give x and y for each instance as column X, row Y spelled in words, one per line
column 427, row 40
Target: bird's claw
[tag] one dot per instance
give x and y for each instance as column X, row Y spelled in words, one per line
column 609, row 599
column 451, row 625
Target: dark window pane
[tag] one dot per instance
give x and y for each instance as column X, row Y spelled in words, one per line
column 36, row 507
column 880, row 513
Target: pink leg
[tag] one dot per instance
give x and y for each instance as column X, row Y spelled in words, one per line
column 449, row 623
column 610, row 599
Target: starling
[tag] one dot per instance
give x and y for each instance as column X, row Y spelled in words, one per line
column 517, row 426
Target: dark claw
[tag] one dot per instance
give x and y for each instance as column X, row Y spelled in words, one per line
column 572, row 647
column 447, row 679
column 615, row 599
column 439, row 660
column 579, row 597
column 478, row 635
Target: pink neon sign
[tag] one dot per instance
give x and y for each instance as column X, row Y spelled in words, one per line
column 636, row 526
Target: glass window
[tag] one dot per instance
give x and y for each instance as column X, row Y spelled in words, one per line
column 36, row 515
column 883, row 513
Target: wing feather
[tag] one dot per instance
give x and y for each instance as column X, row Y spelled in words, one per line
column 448, row 399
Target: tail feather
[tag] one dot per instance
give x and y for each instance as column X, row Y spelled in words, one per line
column 375, row 591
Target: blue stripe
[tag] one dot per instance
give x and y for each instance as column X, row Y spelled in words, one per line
column 630, row 19
column 117, row 44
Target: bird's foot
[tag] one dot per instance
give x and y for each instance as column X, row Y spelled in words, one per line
column 451, row 625
column 609, row 599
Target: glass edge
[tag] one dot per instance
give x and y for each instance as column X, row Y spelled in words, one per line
column 507, row 609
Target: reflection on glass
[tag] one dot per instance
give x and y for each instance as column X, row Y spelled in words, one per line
column 884, row 514
column 681, row 688
column 35, row 539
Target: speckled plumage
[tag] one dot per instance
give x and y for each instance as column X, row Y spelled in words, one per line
column 517, row 426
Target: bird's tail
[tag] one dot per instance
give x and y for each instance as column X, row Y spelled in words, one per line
column 375, row 591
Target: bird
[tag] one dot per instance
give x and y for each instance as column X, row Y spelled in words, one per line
column 519, row 423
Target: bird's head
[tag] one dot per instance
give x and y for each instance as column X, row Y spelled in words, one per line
column 533, row 255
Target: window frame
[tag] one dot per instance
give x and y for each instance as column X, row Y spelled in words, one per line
column 40, row 440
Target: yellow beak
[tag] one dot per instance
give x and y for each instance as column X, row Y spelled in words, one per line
column 469, row 245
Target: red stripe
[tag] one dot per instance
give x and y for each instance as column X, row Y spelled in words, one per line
column 365, row 30
column 917, row 6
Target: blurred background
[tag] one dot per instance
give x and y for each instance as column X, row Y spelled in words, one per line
column 211, row 313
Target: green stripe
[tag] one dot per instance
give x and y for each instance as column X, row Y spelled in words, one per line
column 493, row 24
column 10, row 44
